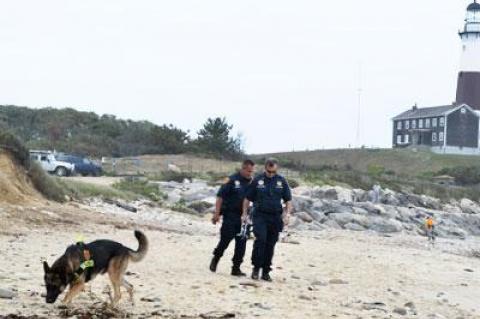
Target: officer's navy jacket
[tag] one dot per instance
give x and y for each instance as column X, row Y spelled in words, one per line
column 233, row 193
column 267, row 193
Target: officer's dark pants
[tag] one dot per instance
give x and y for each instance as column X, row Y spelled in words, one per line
column 266, row 228
column 231, row 227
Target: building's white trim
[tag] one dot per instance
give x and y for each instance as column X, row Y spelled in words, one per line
column 459, row 107
column 479, row 133
column 445, row 131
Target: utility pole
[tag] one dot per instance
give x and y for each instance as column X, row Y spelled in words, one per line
column 359, row 106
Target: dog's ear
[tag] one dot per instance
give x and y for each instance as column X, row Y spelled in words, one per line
column 46, row 268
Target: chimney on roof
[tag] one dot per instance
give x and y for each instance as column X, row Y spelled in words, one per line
column 415, row 107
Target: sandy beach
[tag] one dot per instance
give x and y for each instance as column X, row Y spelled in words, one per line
column 329, row 274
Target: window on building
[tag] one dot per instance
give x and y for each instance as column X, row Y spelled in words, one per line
column 434, row 137
column 442, row 122
column 427, row 123
column 399, row 125
column 434, row 122
column 407, row 124
column 440, row 136
column 420, row 123
column 399, row 139
column 414, row 124
column 407, row 138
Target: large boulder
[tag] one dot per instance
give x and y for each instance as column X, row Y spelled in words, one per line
column 318, row 216
column 405, row 214
column 468, row 222
column 174, row 196
column 420, row 201
column 197, row 193
column 384, row 225
column 390, row 212
column 371, row 208
column 302, row 191
column 333, row 193
column 333, row 207
column 305, row 217
column 296, row 223
column 302, row 203
column 315, row 226
column 452, row 208
column 353, row 227
column 469, row 207
column 332, row 224
column 359, row 210
column 348, row 218
column 359, row 195
column 202, row 207
column 389, row 197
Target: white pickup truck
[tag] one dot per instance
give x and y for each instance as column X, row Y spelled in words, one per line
column 47, row 161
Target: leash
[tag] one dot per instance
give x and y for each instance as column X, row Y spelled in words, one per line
column 245, row 226
column 243, row 232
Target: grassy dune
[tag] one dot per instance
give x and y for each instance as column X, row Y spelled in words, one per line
column 399, row 161
column 402, row 170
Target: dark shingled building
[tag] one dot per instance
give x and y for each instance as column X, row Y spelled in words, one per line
column 450, row 128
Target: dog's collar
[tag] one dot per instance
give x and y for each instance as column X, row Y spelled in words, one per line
column 86, row 261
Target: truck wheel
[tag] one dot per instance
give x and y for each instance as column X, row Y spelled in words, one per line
column 61, row 171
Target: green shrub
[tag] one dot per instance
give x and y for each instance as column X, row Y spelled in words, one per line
column 216, row 176
column 85, row 190
column 13, row 144
column 464, row 175
column 181, row 206
column 47, row 185
column 375, row 170
column 293, row 182
column 142, row 188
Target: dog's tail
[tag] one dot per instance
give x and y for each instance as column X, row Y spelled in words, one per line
column 138, row 255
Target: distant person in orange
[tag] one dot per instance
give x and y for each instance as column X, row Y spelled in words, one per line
column 429, row 229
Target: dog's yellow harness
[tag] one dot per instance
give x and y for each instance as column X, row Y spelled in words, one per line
column 86, row 261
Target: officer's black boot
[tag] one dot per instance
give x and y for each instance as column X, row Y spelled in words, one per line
column 256, row 273
column 237, row 272
column 266, row 276
column 214, row 263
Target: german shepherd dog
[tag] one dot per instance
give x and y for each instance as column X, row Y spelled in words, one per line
column 107, row 256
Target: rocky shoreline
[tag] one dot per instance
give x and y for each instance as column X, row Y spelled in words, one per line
column 318, row 208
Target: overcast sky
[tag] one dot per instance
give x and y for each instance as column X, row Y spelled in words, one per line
column 285, row 73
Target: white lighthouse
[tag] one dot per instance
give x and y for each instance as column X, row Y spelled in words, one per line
column 468, row 86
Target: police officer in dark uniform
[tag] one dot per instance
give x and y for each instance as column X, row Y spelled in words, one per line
column 267, row 192
column 229, row 205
